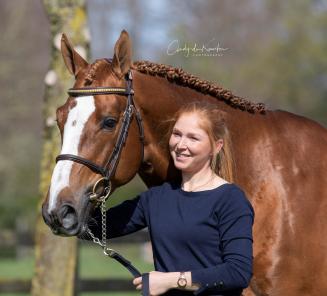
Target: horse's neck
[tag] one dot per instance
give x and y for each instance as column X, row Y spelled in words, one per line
column 158, row 100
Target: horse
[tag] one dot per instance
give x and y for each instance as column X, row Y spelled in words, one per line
column 280, row 160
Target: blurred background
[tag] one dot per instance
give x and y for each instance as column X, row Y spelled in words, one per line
column 275, row 51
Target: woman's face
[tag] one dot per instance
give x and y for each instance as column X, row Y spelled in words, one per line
column 190, row 145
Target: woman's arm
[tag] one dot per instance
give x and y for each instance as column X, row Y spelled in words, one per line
column 236, row 270
column 125, row 218
column 161, row 282
column 234, row 273
column 235, row 221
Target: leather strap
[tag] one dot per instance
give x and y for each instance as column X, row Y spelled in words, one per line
column 91, row 165
column 134, row 271
column 87, row 91
column 123, row 261
column 145, row 284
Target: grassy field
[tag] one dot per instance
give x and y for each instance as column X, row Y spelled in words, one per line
column 92, row 264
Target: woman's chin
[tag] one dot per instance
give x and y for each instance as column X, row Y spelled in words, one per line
column 181, row 165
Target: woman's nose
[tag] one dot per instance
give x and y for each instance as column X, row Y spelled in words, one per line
column 181, row 143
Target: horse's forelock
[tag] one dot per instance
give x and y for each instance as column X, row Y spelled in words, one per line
column 91, row 75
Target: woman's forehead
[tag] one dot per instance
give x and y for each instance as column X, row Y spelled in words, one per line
column 190, row 122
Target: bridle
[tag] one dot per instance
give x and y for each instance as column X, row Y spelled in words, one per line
column 108, row 171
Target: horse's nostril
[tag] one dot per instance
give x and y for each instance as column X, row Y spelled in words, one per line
column 68, row 217
column 46, row 217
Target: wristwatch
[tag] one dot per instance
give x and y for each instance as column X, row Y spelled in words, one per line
column 182, row 281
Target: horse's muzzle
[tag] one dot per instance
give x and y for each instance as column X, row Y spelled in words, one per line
column 63, row 221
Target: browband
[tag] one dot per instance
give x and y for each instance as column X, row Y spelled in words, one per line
column 87, row 91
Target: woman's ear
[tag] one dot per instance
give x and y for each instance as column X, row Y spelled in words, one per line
column 218, row 146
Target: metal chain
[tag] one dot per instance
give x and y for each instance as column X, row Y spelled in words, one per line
column 94, row 238
column 103, row 222
column 103, row 242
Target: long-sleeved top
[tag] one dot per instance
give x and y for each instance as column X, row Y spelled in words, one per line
column 208, row 233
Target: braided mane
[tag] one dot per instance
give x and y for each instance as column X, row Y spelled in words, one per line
column 91, row 74
column 179, row 76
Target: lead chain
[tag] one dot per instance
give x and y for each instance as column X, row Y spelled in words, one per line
column 103, row 242
column 94, row 239
column 104, row 224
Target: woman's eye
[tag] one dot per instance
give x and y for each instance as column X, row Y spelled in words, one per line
column 109, row 123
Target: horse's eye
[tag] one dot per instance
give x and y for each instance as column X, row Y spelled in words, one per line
column 109, row 123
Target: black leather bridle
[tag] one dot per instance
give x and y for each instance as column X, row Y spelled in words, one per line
column 110, row 167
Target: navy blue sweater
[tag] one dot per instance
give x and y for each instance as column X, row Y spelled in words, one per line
column 208, row 233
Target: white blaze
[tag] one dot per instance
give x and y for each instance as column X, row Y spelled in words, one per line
column 77, row 118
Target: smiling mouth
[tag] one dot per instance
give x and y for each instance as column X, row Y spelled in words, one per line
column 181, row 155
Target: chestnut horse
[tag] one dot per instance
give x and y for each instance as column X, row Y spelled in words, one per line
column 280, row 162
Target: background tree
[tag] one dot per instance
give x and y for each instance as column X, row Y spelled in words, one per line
column 22, row 69
column 56, row 256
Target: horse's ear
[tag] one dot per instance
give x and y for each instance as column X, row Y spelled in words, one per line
column 72, row 59
column 122, row 59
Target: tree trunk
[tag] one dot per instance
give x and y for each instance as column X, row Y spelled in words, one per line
column 55, row 256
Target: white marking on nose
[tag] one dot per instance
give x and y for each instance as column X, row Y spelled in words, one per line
column 76, row 120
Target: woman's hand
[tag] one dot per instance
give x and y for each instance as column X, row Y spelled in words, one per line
column 159, row 282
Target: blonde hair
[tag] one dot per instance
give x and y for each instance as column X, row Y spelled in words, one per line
column 213, row 123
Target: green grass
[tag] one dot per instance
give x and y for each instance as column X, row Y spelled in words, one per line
column 92, row 264
column 11, row 268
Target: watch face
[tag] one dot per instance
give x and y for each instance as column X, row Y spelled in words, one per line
column 182, row 282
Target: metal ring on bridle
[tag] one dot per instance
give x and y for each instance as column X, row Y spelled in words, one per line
column 97, row 197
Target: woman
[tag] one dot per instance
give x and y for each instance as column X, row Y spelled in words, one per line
column 201, row 227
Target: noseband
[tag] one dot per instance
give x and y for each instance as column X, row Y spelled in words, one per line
column 110, row 167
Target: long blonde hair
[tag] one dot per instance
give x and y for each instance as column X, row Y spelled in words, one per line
column 213, row 123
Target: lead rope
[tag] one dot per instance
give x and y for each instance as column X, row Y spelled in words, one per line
column 111, row 252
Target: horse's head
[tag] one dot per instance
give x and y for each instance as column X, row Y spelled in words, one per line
column 94, row 144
